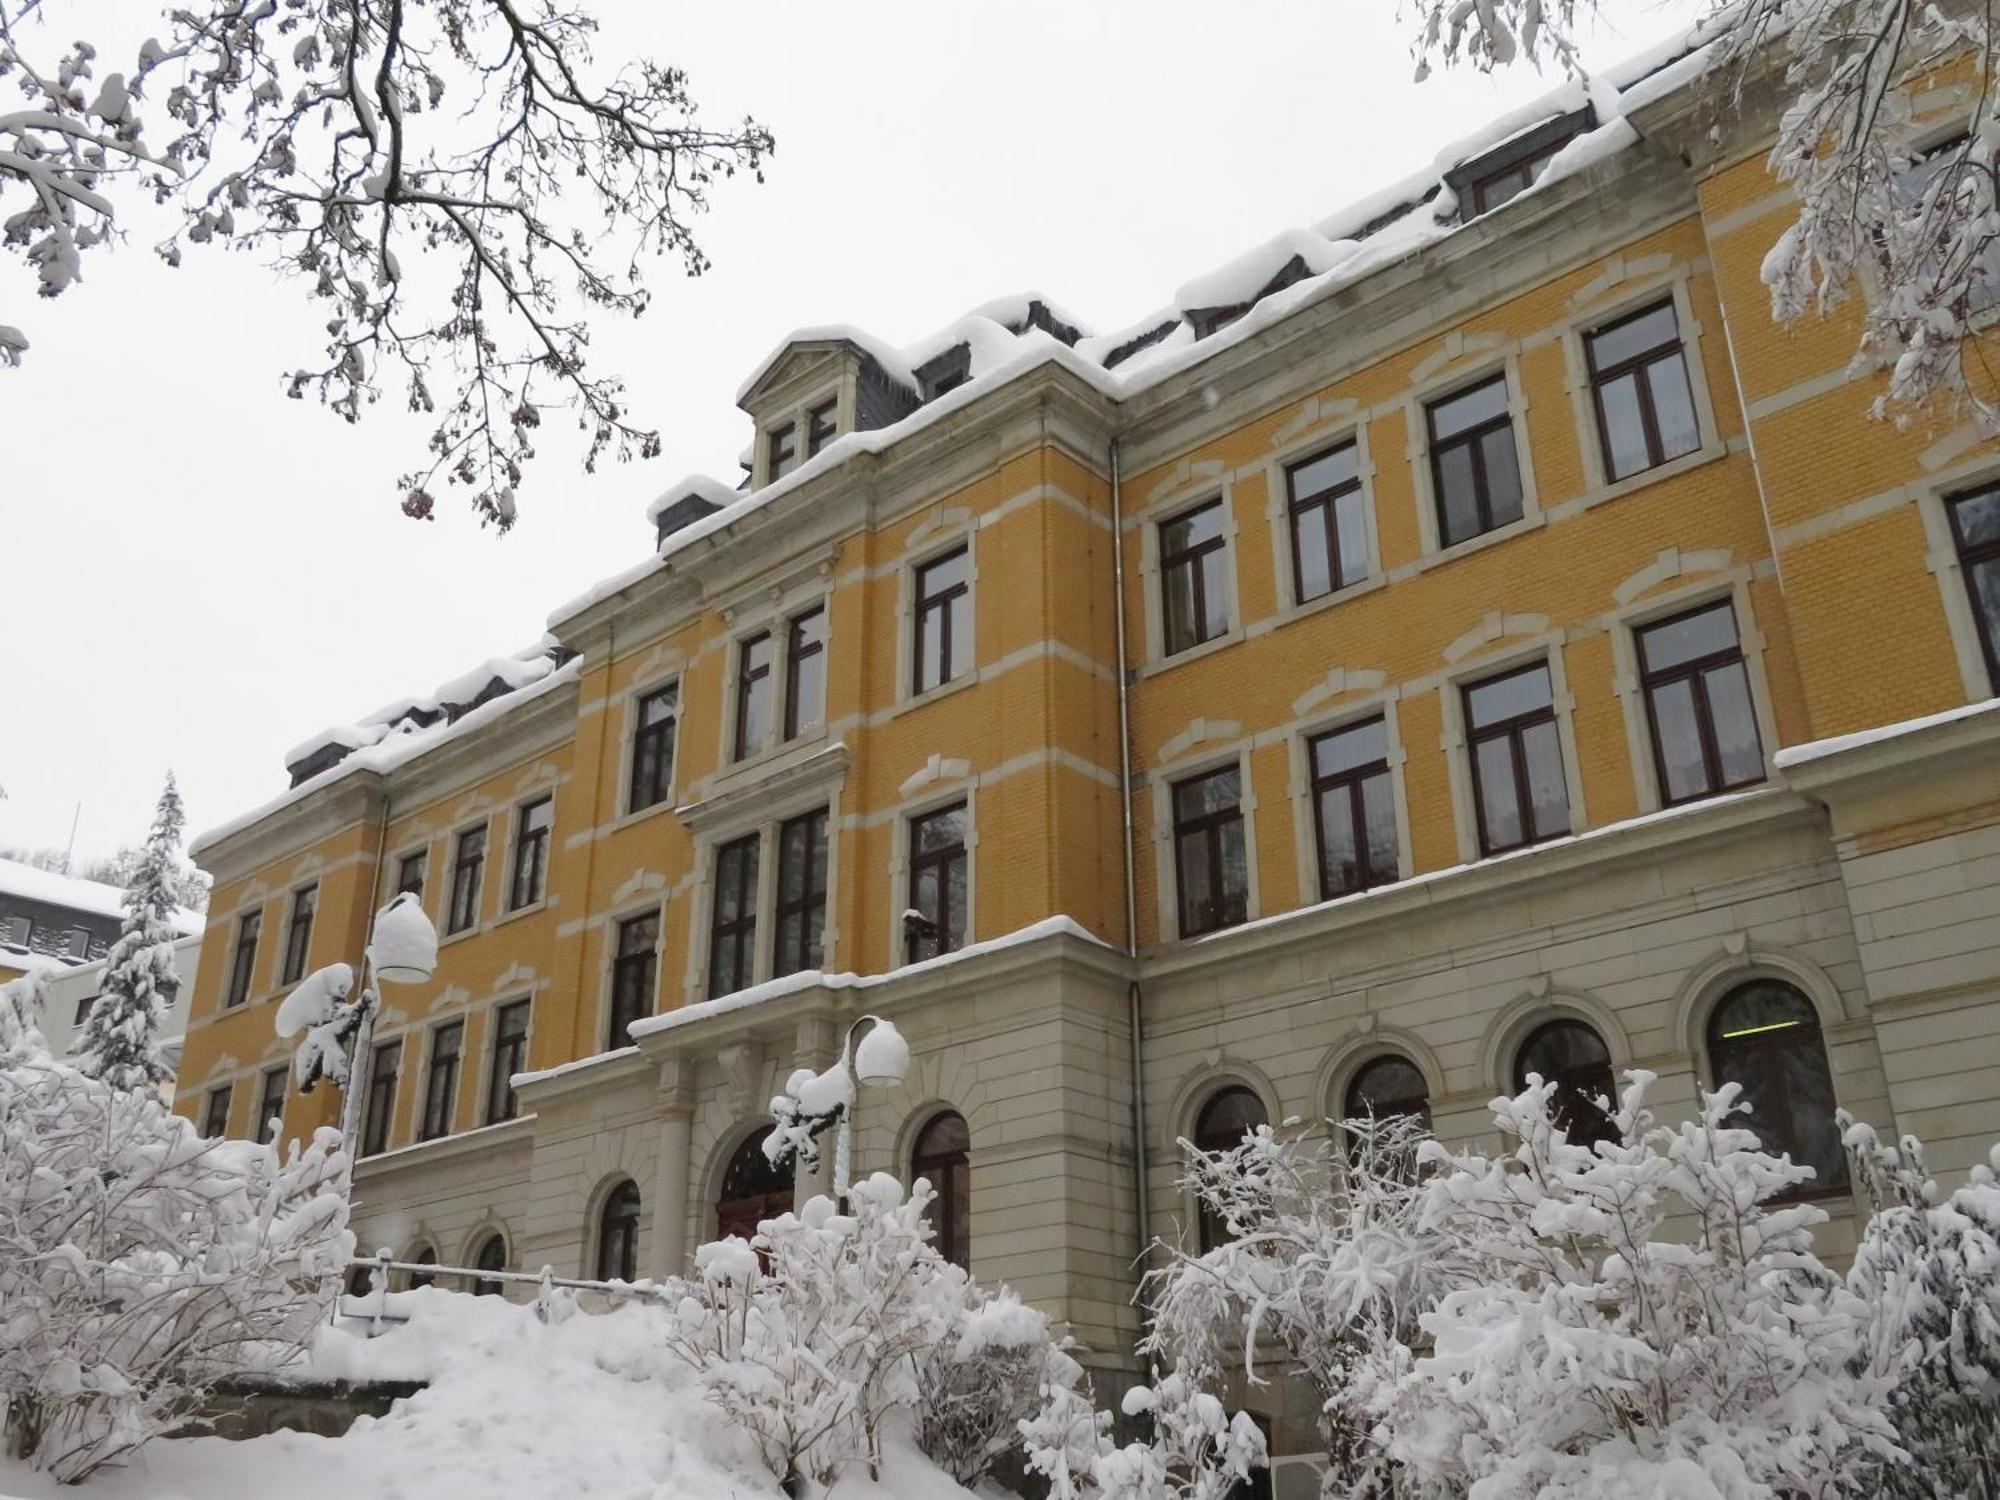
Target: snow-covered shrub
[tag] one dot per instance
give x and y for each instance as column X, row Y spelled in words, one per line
column 980, row 1383
column 1598, row 1357
column 140, row 1263
column 1930, row 1269
column 1196, row 1451
column 23, row 1003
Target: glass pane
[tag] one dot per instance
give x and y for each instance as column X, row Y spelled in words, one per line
column 1316, row 475
column 1691, row 636
column 956, row 921
column 1735, row 724
column 1339, row 856
column 1985, row 580
column 1178, row 602
column 638, row 935
column 1215, row 594
column 722, row 965
column 819, row 853
column 1673, row 407
column 1378, row 810
column 1192, row 529
column 791, row 863
column 1624, row 427
column 946, row 572
column 1546, row 787
column 1503, row 475
column 1389, row 1085
column 1649, row 330
column 753, row 715
column 1191, row 856
column 940, row 830
column 1217, row 792
column 1499, row 806
column 1760, row 1008
column 1309, row 542
column 943, row 1136
column 924, row 892
column 815, row 954
column 1469, row 408
column 1680, row 741
column 1227, row 1118
column 1458, row 500
column 790, row 930
column 1344, row 749
column 1498, row 189
column 1977, row 517
column 1501, row 698
column 1350, row 518
column 658, row 707
column 1562, row 1047
column 960, row 625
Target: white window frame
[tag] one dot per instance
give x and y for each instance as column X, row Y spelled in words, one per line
column 764, row 823
column 1941, row 559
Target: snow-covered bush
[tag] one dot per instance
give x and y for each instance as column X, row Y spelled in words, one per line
column 23, row 1003
column 120, row 1041
column 1196, row 1450
column 140, row 1263
column 978, row 1385
column 1930, row 1268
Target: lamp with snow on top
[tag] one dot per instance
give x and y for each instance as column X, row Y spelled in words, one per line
column 883, row 1057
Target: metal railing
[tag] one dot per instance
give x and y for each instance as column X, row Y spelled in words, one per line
column 545, row 1281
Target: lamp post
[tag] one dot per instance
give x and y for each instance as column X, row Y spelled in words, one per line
column 883, row 1057
column 402, row 950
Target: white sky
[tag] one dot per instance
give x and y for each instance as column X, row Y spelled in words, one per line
column 198, row 574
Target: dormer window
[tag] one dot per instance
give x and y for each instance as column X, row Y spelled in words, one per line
column 781, row 452
column 821, row 427
column 1510, row 169
column 944, row 372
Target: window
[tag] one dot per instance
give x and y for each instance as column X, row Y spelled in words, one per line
column 1517, row 769
column 1516, row 177
column 1975, row 532
column 1933, row 193
column 1329, row 523
column 618, row 1234
column 1474, row 469
column 943, row 645
column 1765, row 1035
column 1639, row 381
column 1698, row 704
column 653, row 748
column 379, row 1111
column 805, row 673
column 425, row 1256
column 16, row 931
column 1387, row 1086
column 801, row 893
column 441, row 1083
column 632, row 973
column 732, row 937
column 244, row 960
column 298, row 934
column 942, row 1159
column 936, row 920
column 76, row 943
column 1211, row 869
column 492, row 1256
column 1229, row 1115
column 781, row 452
column 819, row 427
column 753, row 694
column 531, row 852
column 468, row 869
column 410, row 873
column 1573, row 1057
column 215, row 1113
column 510, row 1056
column 83, row 1009
column 271, row 1105
column 1194, row 581
column 1354, row 808
column 753, row 1189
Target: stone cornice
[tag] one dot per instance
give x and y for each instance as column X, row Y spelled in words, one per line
column 1920, row 752
column 516, row 1134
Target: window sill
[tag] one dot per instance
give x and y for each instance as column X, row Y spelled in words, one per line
column 515, row 914
column 929, row 696
column 446, row 939
column 1228, row 637
column 1617, row 490
column 750, row 764
column 1532, row 521
column 1324, row 602
column 652, row 810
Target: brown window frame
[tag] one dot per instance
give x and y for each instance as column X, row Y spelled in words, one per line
column 747, row 855
column 298, row 933
column 1577, row 1086
column 378, row 1116
column 243, row 959
column 781, row 451
column 649, row 779
column 1513, row 730
column 1353, row 782
column 634, row 976
column 1210, row 1229
column 531, row 853
column 938, row 611
column 948, row 1169
column 821, row 432
column 1471, row 438
column 1225, row 912
column 799, row 650
column 1971, row 555
column 510, row 1056
column 441, row 1081
column 1637, row 365
column 265, row 1111
column 942, row 862
column 1695, row 672
column 1528, row 169
column 215, row 1111
column 1776, row 1119
column 810, row 898
column 421, row 859
column 468, row 880
column 1192, row 557
column 1327, row 502
column 752, row 678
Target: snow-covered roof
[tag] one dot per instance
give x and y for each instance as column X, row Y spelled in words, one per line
column 91, row 897
column 1215, row 311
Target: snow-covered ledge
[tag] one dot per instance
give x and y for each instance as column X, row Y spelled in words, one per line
column 517, row 1131
column 1911, row 748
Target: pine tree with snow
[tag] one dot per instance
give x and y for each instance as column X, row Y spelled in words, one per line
column 119, row 1041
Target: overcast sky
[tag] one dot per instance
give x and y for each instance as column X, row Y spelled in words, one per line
column 198, row 574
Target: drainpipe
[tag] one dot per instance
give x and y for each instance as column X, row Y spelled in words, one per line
column 1133, row 1007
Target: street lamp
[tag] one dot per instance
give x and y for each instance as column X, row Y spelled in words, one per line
column 883, row 1057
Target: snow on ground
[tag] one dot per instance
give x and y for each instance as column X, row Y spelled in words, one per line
column 586, row 1408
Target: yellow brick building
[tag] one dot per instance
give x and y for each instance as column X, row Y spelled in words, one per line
column 1462, row 637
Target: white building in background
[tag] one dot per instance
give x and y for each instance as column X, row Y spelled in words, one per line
column 73, row 991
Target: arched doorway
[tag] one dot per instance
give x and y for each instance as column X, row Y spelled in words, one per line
column 941, row 1157
column 753, row 1189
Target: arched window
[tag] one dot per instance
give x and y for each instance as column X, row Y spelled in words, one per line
column 427, row 1256
column 1387, row 1086
column 1765, row 1036
column 618, row 1234
column 1228, row 1116
column 753, row 1190
column 360, row 1281
column 492, row 1256
column 940, row 1158
column 1572, row 1056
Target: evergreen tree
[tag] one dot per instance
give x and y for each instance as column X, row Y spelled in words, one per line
column 119, row 1043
